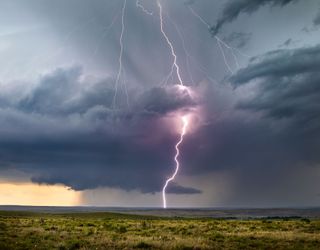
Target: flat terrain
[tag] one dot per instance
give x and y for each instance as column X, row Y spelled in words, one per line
column 106, row 230
column 235, row 213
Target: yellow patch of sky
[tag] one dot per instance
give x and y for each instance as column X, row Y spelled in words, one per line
column 26, row 193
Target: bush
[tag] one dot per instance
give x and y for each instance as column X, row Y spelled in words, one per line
column 122, row 229
column 3, row 226
column 143, row 245
column 306, row 220
column 74, row 246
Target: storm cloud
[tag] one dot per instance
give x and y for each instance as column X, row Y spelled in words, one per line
column 316, row 20
column 176, row 189
column 64, row 125
column 233, row 9
column 258, row 128
column 240, row 39
column 271, row 132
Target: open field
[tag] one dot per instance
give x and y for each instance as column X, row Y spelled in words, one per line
column 105, row 230
column 229, row 213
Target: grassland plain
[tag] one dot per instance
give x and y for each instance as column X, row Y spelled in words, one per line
column 99, row 230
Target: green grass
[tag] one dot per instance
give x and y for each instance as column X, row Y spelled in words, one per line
column 26, row 230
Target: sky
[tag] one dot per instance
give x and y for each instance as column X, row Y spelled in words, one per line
column 91, row 103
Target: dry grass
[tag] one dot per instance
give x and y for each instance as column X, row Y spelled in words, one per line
column 116, row 231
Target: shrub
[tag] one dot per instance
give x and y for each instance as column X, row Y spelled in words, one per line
column 75, row 246
column 143, row 245
column 122, row 229
column 306, row 220
column 3, row 226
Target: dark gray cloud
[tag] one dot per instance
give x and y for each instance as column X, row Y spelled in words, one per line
column 240, row 39
column 280, row 63
column 63, row 92
column 67, row 132
column 277, row 134
column 261, row 131
column 286, row 43
column 288, row 90
column 84, row 144
column 234, row 8
column 288, row 86
column 165, row 99
column 316, row 20
column 177, row 189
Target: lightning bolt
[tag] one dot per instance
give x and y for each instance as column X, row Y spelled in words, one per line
column 184, row 119
column 174, row 64
column 121, row 54
column 139, row 5
column 221, row 44
column 224, row 55
column 199, row 17
column 185, row 123
column 105, row 32
column 190, row 58
column 187, row 55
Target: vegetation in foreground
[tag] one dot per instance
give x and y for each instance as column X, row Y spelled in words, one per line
column 24, row 230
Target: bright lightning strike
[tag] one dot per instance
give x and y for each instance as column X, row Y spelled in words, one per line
column 184, row 119
column 184, row 48
column 174, row 64
column 185, row 123
column 121, row 53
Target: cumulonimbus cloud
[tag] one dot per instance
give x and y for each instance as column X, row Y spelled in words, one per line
column 65, row 129
column 234, row 8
